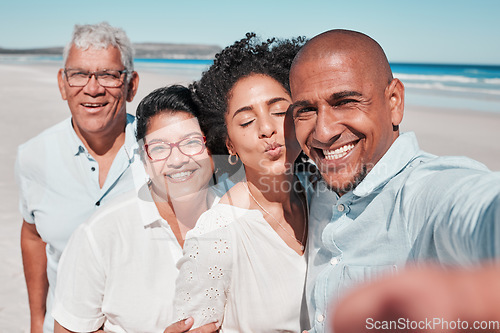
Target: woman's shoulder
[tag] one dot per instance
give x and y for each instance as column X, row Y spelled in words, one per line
column 214, row 219
column 236, row 196
column 219, row 218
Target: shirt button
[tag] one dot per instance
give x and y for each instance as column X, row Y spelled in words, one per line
column 93, row 168
column 340, row 208
column 320, row 318
column 334, row 261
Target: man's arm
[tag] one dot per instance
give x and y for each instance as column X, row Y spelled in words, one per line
column 35, row 273
column 452, row 215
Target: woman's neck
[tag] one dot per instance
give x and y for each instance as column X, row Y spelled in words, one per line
column 272, row 188
column 182, row 213
column 283, row 205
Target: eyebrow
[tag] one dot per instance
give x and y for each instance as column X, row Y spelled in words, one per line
column 243, row 109
column 182, row 137
column 334, row 96
column 297, row 104
column 86, row 70
column 276, row 100
column 269, row 102
column 343, row 94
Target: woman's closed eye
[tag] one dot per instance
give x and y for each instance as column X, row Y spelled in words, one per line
column 279, row 113
column 247, row 123
column 279, row 108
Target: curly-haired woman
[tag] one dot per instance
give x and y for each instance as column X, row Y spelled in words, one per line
column 243, row 264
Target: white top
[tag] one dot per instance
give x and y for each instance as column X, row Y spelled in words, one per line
column 238, row 270
column 119, row 269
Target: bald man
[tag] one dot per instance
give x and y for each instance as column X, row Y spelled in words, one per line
column 382, row 203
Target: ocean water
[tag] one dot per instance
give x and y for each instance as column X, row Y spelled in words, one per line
column 468, row 87
column 190, row 67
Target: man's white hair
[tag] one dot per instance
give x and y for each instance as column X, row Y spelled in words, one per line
column 101, row 36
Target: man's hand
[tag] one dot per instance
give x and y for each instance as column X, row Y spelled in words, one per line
column 185, row 324
column 421, row 295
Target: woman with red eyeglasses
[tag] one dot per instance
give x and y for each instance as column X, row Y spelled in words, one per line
column 118, row 271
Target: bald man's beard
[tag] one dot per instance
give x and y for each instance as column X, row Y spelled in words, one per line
column 342, row 189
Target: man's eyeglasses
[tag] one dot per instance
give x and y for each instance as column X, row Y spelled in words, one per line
column 106, row 78
column 191, row 146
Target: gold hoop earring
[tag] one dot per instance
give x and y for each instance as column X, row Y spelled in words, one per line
column 230, row 159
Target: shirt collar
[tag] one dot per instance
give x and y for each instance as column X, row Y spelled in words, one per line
column 402, row 151
column 131, row 146
column 75, row 143
column 149, row 212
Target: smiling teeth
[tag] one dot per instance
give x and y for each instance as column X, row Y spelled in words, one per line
column 338, row 153
column 92, row 105
column 180, row 175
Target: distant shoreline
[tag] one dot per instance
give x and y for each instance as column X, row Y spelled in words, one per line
column 142, row 51
column 59, row 58
column 449, row 65
column 206, row 52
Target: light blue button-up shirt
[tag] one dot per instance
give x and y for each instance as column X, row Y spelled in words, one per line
column 412, row 206
column 59, row 186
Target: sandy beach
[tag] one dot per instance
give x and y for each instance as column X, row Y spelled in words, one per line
column 30, row 103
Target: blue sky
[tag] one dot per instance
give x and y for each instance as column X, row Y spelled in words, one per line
column 437, row 31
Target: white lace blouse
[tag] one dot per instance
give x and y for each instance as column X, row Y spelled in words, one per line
column 236, row 269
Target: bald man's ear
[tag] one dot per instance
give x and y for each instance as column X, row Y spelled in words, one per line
column 395, row 91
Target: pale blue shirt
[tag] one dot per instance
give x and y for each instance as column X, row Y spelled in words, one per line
column 412, row 206
column 59, row 187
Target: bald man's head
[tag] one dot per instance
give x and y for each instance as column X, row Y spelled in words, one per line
column 356, row 45
column 346, row 105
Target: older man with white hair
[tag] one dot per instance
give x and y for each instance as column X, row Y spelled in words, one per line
column 69, row 170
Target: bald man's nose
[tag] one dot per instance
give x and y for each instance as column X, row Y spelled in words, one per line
column 328, row 125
